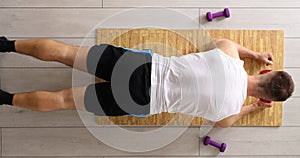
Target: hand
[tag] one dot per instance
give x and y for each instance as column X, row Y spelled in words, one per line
column 263, row 105
column 266, row 57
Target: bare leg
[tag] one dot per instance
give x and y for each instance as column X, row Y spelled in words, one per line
column 50, row 50
column 51, row 101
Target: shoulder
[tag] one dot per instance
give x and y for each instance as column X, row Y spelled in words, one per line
column 228, row 47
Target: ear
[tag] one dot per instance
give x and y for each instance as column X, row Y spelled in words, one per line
column 265, row 101
column 263, row 72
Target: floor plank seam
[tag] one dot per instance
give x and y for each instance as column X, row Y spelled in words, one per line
column 195, row 7
column 54, row 7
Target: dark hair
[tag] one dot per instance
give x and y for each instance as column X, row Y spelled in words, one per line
column 280, row 86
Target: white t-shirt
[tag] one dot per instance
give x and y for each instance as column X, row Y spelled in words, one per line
column 208, row 84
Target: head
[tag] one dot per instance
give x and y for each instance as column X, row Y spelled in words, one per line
column 274, row 86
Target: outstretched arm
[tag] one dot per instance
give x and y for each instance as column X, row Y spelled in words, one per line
column 266, row 57
column 229, row 47
column 229, row 121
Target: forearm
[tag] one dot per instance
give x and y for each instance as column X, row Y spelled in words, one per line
column 229, row 121
column 246, row 53
column 247, row 110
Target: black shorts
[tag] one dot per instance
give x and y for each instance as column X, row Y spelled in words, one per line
column 128, row 72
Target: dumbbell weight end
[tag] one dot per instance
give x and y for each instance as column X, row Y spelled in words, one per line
column 210, row 16
column 222, row 147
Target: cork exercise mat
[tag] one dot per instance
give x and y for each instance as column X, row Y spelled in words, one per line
column 180, row 42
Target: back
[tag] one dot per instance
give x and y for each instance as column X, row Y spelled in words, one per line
column 229, row 85
column 209, row 84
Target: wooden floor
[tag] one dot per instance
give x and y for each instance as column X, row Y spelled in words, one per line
column 61, row 134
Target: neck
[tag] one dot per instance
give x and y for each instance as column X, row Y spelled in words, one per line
column 253, row 88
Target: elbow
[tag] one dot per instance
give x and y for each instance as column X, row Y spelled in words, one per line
column 223, row 124
column 222, row 40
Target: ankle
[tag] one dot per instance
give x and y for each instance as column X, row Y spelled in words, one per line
column 7, row 45
column 6, row 98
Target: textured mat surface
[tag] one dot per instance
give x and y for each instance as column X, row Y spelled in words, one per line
column 180, row 42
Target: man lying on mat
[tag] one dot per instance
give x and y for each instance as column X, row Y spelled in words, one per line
column 212, row 84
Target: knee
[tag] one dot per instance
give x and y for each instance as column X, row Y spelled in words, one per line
column 67, row 99
column 58, row 51
column 66, row 54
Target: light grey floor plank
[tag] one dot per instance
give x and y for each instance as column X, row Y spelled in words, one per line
column 79, row 142
column 48, row 157
column 291, row 110
column 18, row 117
column 292, row 54
column 245, row 19
column 1, row 142
column 243, row 141
column 152, row 157
column 18, row 80
column 53, row 23
column 19, row 60
column 199, row 4
column 215, row 156
column 52, row 3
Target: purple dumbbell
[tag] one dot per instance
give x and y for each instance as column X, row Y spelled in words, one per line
column 210, row 15
column 222, row 147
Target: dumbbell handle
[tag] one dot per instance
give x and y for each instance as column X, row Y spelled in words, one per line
column 215, row 144
column 219, row 14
